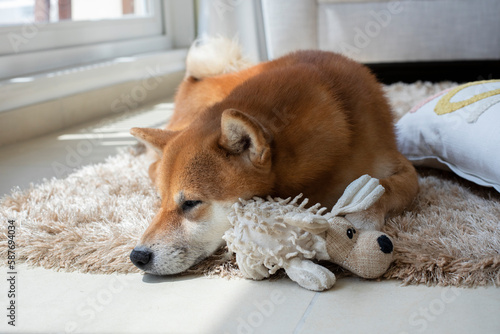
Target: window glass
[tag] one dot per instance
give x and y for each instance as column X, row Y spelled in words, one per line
column 19, row 12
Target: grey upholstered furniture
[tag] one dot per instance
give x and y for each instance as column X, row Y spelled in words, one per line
column 371, row 31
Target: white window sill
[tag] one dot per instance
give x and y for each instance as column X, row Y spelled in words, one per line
column 35, row 105
column 32, row 89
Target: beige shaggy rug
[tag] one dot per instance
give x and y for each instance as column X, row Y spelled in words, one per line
column 91, row 220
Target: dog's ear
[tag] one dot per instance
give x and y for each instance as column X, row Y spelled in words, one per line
column 241, row 134
column 154, row 138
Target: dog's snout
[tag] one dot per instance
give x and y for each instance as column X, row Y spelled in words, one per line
column 385, row 244
column 140, row 257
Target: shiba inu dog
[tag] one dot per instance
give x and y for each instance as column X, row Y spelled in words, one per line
column 310, row 122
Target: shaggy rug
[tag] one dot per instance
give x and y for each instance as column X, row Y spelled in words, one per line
column 90, row 221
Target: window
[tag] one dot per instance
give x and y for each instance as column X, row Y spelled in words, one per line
column 41, row 35
column 17, row 12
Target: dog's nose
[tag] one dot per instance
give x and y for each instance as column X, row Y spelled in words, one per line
column 140, row 257
column 385, row 244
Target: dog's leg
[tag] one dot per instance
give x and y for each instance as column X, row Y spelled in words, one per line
column 401, row 187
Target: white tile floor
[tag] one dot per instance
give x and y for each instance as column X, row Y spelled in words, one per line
column 56, row 154
column 58, row 302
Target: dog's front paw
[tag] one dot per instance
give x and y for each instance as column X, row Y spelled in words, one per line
column 366, row 220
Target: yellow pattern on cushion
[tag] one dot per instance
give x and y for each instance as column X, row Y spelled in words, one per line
column 444, row 106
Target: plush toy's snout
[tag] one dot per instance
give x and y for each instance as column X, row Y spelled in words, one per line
column 368, row 258
column 365, row 253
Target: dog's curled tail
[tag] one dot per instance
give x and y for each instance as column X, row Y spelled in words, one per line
column 212, row 56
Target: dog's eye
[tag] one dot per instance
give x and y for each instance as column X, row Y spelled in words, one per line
column 350, row 232
column 187, row 205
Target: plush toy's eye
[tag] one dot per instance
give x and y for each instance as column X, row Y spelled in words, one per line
column 350, row 232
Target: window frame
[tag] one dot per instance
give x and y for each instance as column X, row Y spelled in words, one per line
column 37, row 36
column 52, row 46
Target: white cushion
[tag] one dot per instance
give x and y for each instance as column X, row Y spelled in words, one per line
column 459, row 130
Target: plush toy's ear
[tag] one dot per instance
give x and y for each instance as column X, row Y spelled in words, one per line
column 154, row 138
column 358, row 196
column 241, row 134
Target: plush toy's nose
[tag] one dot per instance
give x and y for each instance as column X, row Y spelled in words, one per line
column 385, row 244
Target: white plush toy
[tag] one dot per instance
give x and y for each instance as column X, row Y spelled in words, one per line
column 267, row 235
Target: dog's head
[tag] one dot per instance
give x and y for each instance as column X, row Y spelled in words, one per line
column 203, row 170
